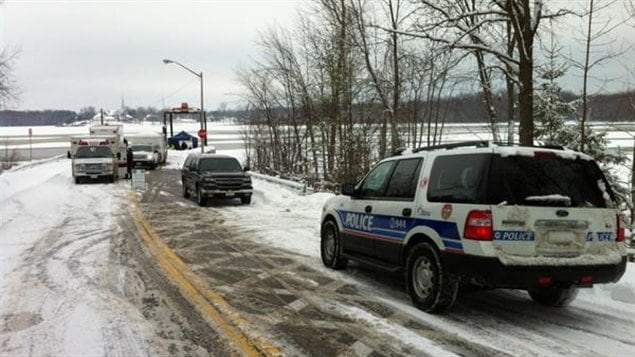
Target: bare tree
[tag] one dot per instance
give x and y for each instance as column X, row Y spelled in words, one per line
column 385, row 75
column 468, row 27
column 597, row 43
column 9, row 89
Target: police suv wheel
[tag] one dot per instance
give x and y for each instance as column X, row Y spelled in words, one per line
column 245, row 200
column 200, row 198
column 430, row 287
column 330, row 246
column 553, row 296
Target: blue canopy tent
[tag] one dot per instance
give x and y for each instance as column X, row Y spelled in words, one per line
column 182, row 141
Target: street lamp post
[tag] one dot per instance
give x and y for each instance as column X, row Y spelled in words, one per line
column 203, row 122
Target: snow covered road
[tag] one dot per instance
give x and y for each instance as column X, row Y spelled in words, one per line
column 70, row 283
column 59, row 289
column 77, row 281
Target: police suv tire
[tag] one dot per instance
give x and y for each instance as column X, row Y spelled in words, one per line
column 245, row 200
column 430, row 286
column 186, row 193
column 331, row 246
column 554, row 296
column 78, row 180
column 200, row 198
column 111, row 178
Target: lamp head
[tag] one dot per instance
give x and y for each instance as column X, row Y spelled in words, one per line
column 166, row 61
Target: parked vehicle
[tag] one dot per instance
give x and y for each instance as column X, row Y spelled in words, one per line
column 156, row 141
column 533, row 218
column 215, row 176
column 93, row 158
column 143, row 155
column 115, row 133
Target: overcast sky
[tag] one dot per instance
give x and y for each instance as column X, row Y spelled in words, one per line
column 79, row 53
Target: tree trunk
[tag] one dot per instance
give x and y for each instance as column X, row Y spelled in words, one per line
column 525, row 40
column 526, row 108
column 585, row 76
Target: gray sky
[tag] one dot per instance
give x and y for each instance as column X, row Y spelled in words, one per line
column 80, row 53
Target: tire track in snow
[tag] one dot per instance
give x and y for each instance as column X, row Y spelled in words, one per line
column 280, row 293
column 61, row 274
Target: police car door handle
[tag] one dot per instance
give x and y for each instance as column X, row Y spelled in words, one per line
column 368, row 209
column 406, row 212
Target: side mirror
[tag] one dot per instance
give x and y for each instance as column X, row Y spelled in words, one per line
column 119, row 156
column 348, row 189
column 246, row 168
column 68, row 154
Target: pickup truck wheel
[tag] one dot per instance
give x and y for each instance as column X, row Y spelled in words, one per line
column 78, row 180
column 200, row 198
column 245, row 200
column 552, row 296
column 111, row 178
column 430, row 287
column 331, row 246
column 186, row 193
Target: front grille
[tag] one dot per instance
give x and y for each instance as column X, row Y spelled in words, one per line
column 229, row 183
column 94, row 167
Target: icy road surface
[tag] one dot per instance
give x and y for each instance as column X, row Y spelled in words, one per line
column 77, row 281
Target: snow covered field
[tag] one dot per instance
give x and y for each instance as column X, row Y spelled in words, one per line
column 60, row 294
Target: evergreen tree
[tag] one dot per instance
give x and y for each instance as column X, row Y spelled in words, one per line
column 554, row 115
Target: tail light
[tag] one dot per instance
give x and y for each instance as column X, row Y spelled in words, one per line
column 104, row 142
column 621, row 232
column 545, row 280
column 478, row 225
column 83, row 142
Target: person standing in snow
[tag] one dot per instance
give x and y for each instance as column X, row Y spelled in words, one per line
column 129, row 157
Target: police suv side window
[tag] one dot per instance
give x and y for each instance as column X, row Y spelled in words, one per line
column 459, row 178
column 403, row 183
column 374, row 184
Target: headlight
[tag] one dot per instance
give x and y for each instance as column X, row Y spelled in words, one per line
column 247, row 179
column 150, row 157
column 209, row 180
column 108, row 166
column 80, row 167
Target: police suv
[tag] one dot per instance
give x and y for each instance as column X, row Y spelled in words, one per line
column 534, row 218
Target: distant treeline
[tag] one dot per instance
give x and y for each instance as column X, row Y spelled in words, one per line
column 36, row 117
column 467, row 108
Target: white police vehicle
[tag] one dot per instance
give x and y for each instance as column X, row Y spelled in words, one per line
column 534, row 218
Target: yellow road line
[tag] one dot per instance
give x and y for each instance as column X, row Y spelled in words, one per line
column 209, row 303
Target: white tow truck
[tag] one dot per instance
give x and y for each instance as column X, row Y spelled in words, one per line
column 94, row 158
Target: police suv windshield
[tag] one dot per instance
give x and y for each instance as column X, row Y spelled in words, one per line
column 219, row 164
column 93, row 151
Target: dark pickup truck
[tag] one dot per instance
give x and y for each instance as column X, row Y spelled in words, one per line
column 215, row 176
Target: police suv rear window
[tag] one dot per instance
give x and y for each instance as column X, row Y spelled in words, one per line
column 526, row 180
